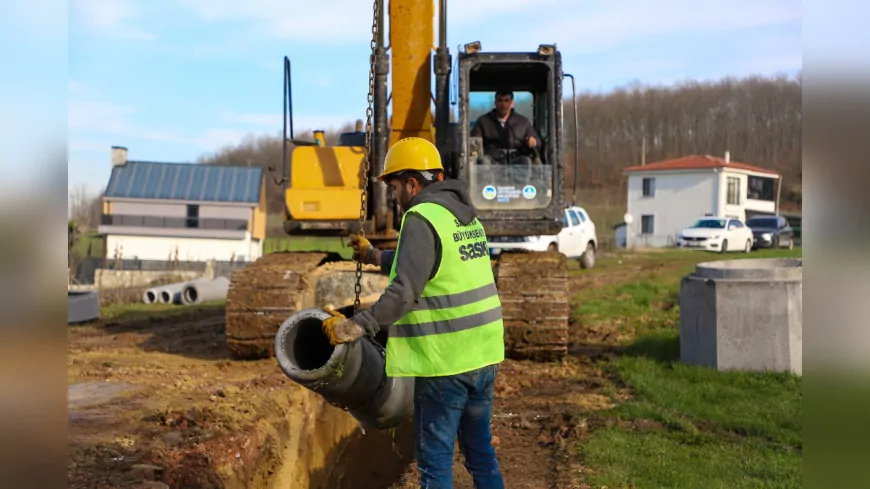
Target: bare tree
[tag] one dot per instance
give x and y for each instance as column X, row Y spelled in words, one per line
column 757, row 119
column 84, row 208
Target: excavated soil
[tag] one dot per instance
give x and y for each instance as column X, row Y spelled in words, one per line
column 161, row 403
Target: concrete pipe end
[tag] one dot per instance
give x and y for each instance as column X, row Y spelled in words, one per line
column 303, row 351
column 150, row 296
column 83, row 306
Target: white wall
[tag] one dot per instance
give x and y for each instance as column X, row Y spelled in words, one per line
column 680, row 199
column 189, row 249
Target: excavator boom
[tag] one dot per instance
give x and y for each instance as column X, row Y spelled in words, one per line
column 322, row 186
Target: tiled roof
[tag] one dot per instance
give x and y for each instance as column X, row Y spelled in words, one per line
column 695, row 162
column 183, row 181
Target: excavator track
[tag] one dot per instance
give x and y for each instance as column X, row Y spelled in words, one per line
column 264, row 294
column 533, row 288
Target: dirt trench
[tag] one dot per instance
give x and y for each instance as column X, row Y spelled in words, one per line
column 160, row 401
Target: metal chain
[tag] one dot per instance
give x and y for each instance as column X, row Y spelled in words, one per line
column 368, row 159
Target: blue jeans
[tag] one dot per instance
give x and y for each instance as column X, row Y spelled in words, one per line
column 444, row 407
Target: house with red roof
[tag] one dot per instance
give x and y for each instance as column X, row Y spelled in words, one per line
column 666, row 196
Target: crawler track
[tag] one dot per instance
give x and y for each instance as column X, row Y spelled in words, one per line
column 533, row 288
column 262, row 296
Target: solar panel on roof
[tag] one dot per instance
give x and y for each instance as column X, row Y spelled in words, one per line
column 191, row 182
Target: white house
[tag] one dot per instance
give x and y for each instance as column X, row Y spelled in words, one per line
column 183, row 212
column 666, row 196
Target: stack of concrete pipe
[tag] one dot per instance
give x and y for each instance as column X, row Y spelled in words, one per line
column 200, row 289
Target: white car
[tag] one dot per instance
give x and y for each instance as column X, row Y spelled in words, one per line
column 720, row 234
column 577, row 239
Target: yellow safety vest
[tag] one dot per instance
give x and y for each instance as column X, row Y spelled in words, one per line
column 456, row 326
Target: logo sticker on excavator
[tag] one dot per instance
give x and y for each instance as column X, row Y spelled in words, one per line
column 489, row 192
column 529, row 192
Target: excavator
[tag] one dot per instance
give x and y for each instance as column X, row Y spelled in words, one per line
column 331, row 191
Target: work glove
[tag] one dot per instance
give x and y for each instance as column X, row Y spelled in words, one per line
column 363, row 251
column 340, row 329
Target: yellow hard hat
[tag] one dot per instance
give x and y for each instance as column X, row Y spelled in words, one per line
column 411, row 154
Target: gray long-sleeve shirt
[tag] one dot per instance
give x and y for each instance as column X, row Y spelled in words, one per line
column 418, row 256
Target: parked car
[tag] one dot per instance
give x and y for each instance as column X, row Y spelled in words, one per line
column 720, row 234
column 577, row 239
column 771, row 232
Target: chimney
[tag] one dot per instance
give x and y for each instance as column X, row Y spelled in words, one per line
column 119, row 155
column 727, row 157
column 359, row 125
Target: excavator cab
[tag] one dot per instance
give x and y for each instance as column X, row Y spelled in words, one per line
column 512, row 199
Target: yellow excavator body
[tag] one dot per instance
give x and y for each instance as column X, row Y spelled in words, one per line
column 326, row 183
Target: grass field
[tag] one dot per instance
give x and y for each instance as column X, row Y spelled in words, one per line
column 682, row 427
column 134, row 311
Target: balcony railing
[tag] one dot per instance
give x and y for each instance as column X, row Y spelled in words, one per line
column 175, row 222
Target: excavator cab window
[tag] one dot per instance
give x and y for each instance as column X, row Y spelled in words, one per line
column 516, row 178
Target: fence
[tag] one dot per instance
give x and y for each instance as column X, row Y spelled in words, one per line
column 87, row 268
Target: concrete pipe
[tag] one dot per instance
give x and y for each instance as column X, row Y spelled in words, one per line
column 151, row 296
column 203, row 291
column 171, row 294
column 82, row 307
column 350, row 375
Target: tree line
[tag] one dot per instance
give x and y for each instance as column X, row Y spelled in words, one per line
column 757, row 119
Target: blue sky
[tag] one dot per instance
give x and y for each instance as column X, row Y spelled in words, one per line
column 174, row 79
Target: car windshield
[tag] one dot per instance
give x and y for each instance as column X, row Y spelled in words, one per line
column 709, row 224
column 762, row 222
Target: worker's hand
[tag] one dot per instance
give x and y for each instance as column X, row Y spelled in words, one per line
column 361, row 247
column 339, row 329
column 531, row 141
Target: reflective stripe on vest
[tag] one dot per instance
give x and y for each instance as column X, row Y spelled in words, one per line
column 456, row 326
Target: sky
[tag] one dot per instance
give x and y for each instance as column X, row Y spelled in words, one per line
column 172, row 80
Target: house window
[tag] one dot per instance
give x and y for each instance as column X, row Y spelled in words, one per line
column 761, row 188
column 647, row 224
column 649, row 187
column 733, row 197
column 192, row 216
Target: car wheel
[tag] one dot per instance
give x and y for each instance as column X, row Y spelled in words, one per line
column 775, row 242
column 748, row 248
column 587, row 260
column 724, row 247
column 552, row 247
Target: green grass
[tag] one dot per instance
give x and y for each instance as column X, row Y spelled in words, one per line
column 701, row 427
column 89, row 245
column 136, row 311
column 308, row 243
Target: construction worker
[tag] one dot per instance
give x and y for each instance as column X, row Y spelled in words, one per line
column 443, row 313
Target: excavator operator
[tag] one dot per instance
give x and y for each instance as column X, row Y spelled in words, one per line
column 508, row 137
column 443, row 313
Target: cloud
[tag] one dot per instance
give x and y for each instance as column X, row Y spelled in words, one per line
column 346, row 21
column 618, row 22
column 584, row 26
column 104, row 122
column 113, row 18
column 337, row 21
